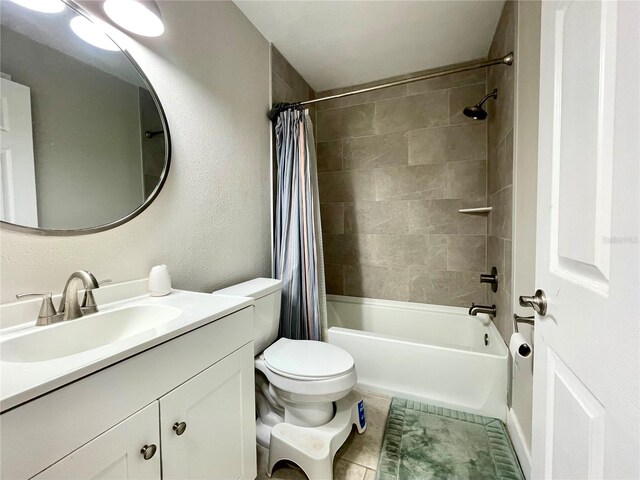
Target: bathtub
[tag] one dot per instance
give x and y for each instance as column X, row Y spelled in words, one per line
column 429, row 353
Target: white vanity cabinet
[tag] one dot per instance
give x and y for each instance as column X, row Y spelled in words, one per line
column 116, row 453
column 216, row 411
column 96, row 427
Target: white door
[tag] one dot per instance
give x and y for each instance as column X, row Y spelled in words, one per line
column 17, row 170
column 586, row 417
column 207, row 425
column 117, row 453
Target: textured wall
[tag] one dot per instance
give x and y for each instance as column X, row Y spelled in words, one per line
column 395, row 166
column 210, row 224
column 500, row 168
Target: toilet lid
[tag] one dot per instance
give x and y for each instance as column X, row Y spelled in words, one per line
column 307, row 359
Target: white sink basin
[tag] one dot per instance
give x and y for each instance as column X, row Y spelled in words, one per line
column 86, row 333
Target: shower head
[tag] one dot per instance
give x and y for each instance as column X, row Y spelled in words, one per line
column 476, row 111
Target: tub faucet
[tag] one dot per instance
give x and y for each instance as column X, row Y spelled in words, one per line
column 69, row 305
column 476, row 309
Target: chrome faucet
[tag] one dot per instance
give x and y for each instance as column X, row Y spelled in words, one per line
column 70, row 308
column 476, row 309
column 69, row 305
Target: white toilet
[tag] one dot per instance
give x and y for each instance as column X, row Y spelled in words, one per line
column 298, row 383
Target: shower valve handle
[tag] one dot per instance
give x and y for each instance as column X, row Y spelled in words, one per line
column 491, row 278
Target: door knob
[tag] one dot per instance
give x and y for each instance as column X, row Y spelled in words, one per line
column 148, row 451
column 179, row 427
column 538, row 302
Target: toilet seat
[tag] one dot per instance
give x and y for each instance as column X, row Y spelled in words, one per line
column 307, row 371
column 307, row 360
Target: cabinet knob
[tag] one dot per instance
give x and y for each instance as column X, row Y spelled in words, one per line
column 148, row 451
column 179, row 427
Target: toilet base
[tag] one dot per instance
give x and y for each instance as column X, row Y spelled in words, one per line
column 313, row 448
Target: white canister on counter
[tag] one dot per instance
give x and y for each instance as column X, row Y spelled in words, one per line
column 159, row 281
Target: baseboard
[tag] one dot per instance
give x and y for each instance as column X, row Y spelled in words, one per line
column 519, row 444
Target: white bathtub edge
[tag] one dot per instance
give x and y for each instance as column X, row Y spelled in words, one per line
column 519, row 443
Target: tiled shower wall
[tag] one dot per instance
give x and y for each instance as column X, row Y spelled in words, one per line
column 500, row 168
column 394, row 168
column 287, row 85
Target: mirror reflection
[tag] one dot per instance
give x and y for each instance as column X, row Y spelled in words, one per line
column 82, row 139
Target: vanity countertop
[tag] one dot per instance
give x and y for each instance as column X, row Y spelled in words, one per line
column 22, row 381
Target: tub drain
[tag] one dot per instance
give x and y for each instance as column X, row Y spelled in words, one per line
column 486, row 339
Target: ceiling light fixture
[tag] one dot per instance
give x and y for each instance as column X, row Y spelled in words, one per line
column 138, row 16
column 91, row 33
column 44, row 6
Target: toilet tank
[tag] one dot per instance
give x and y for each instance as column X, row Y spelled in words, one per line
column 266, row 314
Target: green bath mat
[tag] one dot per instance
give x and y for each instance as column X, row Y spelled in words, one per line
column 423, row 442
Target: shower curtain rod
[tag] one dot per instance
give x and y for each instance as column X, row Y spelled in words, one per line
column 505, row 60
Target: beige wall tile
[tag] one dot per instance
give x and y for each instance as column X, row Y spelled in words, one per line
column 399, row 250
column 281, row 92
column 332, row 217
column 461, row 97
column 495, row 257
column 409, row 113
column 448, row 144
column 466, row 253
column 352, row 186
column 334, row 278
column 409, row 182
column 501, row 215
column 329, row 155
column 444, row 287
column 500, row 165
column 441, row 216
column 503, row 319
column 500, row 169
column 436, row 255
column 466, row 180
column 448, row 81
column 376, row 282
column 348, row 249
column 508, row 267
column 328, row 104
column 283, row 69
column 405, row 173
column 346, row 122
column 500, row 110
column 375, row 151
column 369, row 97
column 377, row 217
column 380, row 250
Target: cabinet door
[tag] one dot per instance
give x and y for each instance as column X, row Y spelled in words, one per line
column 116, row 454
column 218, row 409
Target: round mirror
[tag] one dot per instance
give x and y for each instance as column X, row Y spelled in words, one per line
column 84, row 141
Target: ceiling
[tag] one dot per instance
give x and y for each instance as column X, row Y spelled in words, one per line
column 335, row 44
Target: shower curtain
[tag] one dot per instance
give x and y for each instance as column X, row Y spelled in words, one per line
column 298, row 256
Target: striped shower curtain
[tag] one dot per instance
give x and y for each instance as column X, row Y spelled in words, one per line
column 298, row 241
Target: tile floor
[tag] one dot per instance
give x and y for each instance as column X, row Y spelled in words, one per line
column 358, row 457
